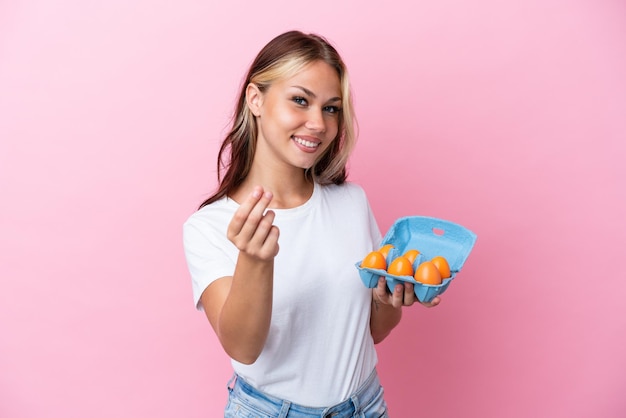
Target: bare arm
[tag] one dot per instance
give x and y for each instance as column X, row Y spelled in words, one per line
column 239, row 308
column 387, row 307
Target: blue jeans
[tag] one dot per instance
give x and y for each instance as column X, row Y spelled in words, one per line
column 245, row 401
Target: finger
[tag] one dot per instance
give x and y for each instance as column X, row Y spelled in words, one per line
column 261, row 235
column 380, row 292
column 382, row 285
column 263, row 226
column 242, row 213
column 436, row 301
column 255, row 216
column 397, row 297
column 409, row 294
column 270, row 247
column 272, row 240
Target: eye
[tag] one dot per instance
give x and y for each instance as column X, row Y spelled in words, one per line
column 332, row 109
column 299, row 100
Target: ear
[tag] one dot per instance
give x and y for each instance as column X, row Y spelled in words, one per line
column 254, row 99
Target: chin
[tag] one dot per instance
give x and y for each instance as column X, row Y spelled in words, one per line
column 304, row 165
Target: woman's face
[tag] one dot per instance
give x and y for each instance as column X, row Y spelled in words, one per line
column 297, row 117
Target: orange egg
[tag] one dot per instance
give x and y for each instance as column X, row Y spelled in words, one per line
column 401, row 266
column 374, row 260
column 412, row 255
column 427, row 273
column 442, row 265
column 384, row 250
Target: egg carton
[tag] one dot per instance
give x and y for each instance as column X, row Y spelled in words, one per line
column 431, row 237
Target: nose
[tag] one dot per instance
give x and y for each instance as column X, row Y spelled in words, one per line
column 315, row 121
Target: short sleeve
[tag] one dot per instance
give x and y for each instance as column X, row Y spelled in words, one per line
column 209, row 255
column 374, row 230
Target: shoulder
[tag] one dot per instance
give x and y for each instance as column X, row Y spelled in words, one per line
column 217, row 208
column 211, row 217
column 345, row 191
column 347, row 188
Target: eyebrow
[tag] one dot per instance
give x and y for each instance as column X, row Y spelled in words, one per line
column 313, row 95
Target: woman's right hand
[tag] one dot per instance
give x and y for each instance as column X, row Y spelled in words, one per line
column 252, row 230
column 239, row 307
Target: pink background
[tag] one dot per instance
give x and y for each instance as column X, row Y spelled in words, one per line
column 507, row 117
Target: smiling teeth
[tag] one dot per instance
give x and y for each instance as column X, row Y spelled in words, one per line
column 306, row 143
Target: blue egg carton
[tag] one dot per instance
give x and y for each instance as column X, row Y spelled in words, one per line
column 431, row 237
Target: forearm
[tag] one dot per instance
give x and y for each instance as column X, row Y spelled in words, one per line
column 383, row 319
column 244, row 320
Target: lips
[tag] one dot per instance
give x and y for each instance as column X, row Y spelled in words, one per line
column 307, row 143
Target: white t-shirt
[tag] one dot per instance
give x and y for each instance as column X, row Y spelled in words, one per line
column 319, row 349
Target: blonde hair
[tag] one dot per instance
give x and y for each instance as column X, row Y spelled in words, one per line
column 283, row 57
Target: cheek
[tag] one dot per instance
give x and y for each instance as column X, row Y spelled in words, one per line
column 285, row 117
column 332, row 127
column 276, row 117
column 327, row 145
column 289, row 120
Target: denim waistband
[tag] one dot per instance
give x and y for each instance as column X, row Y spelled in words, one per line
column 273, row 405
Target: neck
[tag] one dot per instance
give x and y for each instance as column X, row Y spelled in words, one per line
column 289, row 189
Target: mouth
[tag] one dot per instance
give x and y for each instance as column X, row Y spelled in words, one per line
column 306, row 143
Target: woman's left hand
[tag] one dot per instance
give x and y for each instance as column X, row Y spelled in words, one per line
column 403, row 295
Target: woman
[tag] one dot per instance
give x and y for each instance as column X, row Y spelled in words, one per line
column 295, row 319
